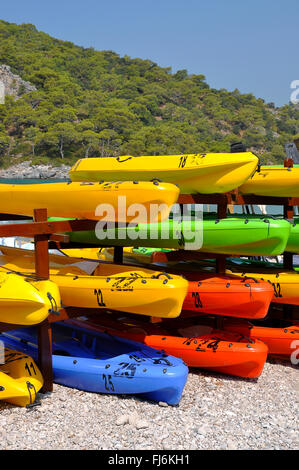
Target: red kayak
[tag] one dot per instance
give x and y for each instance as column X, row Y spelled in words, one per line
column 281, row 341
column 198, row 345
column 226, row 295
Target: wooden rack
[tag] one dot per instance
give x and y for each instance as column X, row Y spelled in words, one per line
column 44, row 232
column 233, row 198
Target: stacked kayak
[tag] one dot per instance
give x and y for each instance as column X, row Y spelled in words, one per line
column 226, row 295
column 232, row 236
column 20, row 378
column 214, row 294
column 194, row 173
column 199, row 345
column 273, row 181
column 293, row 241
column 281, row 340
column 89, row 200
column 285, row 283
column 98, row 362
column 25, row 299
column 116, row 287
column 118, row 351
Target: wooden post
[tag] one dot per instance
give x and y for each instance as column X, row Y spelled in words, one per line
column 221, row 260
column 288, row 163
column 44, row 328
column 222, row 211
column 221, row 264
column 118, row 255
column 288, row 212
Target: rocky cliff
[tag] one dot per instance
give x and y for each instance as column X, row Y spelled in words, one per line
column 11, row 84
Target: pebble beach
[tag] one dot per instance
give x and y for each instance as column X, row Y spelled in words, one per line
column 217, row 412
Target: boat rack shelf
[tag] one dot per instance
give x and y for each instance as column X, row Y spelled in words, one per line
column 42, row 231
column 233, row 198
column 45, row 232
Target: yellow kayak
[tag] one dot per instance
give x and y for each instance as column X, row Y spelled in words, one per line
column 20, row 379
column 81, row 200
column 285, row 283
column 141, row 256
column 195, row 173
column 90, row 253
column 273, row 181
column 25, row 300
column 115, row 287
column 130, row 254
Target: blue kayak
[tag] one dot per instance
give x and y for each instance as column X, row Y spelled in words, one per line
column 99, row 362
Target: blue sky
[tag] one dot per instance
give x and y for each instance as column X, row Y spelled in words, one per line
column 250, row 45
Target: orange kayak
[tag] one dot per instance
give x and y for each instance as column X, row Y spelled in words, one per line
column 280, row 341
column 199, row 346
column 226, row 295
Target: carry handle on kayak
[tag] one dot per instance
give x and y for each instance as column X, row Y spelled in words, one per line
column 162, row 274
column 122, row 161
column 253, row 278
column 54, row 308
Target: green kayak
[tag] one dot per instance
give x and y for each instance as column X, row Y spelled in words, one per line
column 231, row 236
column 258, row 263
column 293, row 242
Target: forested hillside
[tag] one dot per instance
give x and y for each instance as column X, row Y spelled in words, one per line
column 96, row 103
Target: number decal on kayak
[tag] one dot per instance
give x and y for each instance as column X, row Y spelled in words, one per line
column 213, row 345
column 183, row 161
column 100, row 299
column 197, row 300
column 108, row 383
column 125, row 283
column 277, row 289
column 126, row 370
column 210, row 343
column 136, row 358
column 30, row 367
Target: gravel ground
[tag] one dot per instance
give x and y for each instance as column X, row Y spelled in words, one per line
column 216, row 412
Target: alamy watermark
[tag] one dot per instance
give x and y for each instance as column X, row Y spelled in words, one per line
column 295, row 94
column 2, row 93
column 184, row 227
column 295, row 354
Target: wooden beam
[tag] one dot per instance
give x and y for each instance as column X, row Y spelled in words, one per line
column 236, row 199
column 73, row 312
column 14, row 217
column 30, row 229
column 44, row 335
column 9, row 326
